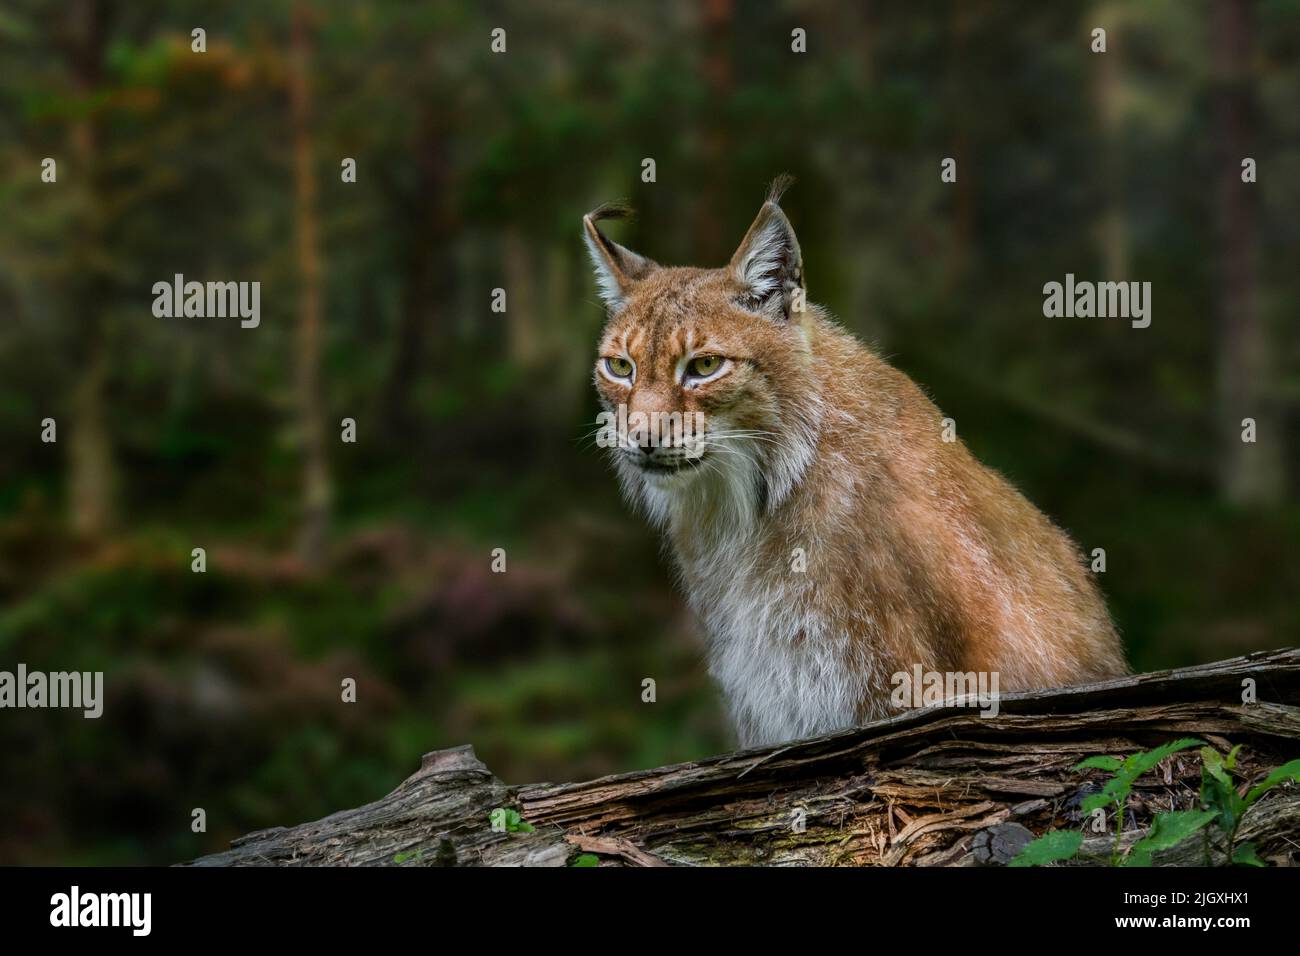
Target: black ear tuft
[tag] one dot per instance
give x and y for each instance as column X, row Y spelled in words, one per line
column 617, row 209
column 779, row 186
column 769, row 264
column 617, row 268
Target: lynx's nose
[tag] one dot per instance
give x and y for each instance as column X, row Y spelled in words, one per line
column 662, row 460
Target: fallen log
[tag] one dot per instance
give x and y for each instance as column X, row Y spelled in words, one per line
column 939, row 786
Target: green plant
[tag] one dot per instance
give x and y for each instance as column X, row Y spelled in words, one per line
column 585, row 859
column 508, row 820
column 1221, row 805
column 1117, row 789
column 1226, row 806
column 1050, row 848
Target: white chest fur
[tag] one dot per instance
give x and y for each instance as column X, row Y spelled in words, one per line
column 783, row 664
column 785, row 672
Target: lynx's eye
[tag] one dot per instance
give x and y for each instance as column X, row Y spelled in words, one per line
column 704, row 367
column 619, row 367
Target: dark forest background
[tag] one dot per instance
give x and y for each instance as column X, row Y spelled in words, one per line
column 371, row 560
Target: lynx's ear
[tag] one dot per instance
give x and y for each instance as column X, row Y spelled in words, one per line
column 768, row 263
column 617, row 268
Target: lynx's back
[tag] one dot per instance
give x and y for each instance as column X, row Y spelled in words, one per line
column 825, row 532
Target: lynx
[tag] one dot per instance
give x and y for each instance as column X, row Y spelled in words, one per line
column 825, row 533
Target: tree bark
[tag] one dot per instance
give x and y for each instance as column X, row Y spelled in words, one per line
column 310, row 400
column 716, row 28
column 1112, row 226
column 521, row 319
column 962, row 239
column 1251, row 473
column 941, row 786
column 421, row 213
column 92, row 471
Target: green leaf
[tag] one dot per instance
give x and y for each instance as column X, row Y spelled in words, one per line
column 1222, row 800
column 508, row 819
column 1245, row 855
column 585, row 859
column 1137, row 856
column 1218, row 791
column 1167, row 831
column 1286, row 772
column 1139, row 764
column 1230, row 761
column 1100, row 762
column 1049, row 848
column 1097, row 801
column 1215, row 765
column 1115, row 792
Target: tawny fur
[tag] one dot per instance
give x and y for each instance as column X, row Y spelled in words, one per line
column 915, row 552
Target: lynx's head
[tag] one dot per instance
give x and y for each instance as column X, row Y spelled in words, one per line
column 707, row 374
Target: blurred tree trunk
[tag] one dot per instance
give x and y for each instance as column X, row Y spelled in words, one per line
column 862, row 208
column 311, row 411
column 959, row 79
column 92, row 473
column 716, row 24
column 417, row 313
column 566, row 344
column 1250, row 473
column 521, row 299
column 1112, row 227
column 429, row 226
column 91, row 480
